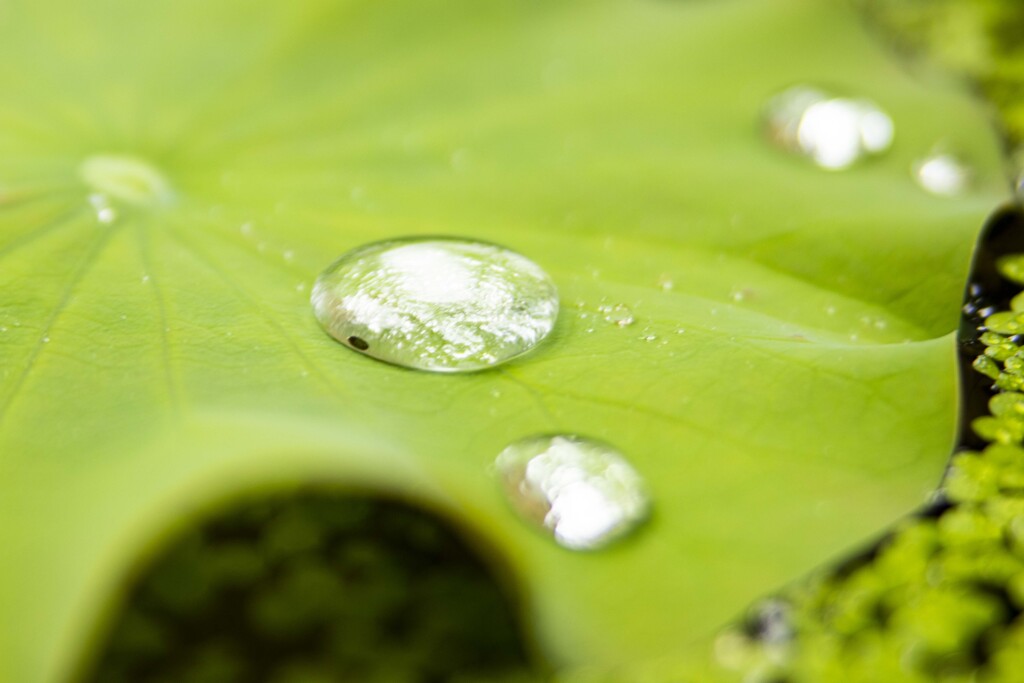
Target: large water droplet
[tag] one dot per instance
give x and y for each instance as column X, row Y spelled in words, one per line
column 439, row 304
column 834, row 132
column 582, row 491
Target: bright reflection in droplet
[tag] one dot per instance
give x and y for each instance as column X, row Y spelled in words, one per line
column 584, row 492
column 942, row 174
column 439, row 304
column 834, row 132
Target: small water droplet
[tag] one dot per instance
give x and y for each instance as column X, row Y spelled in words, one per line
column 3, row 328
column 582, row 491
column 288, row 255
column 942, row 174
column 665, row 282
column 246, row 229
column 46, row 340
column 145, row 279
column 105, row 213
column 619, row 314
column 834, row 132
column 740, row 295
column 438, row 304
column 650, row 337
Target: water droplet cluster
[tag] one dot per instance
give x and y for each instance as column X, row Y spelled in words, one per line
column 617, row 314
column 456, row 305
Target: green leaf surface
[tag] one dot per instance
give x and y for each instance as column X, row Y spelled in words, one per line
column 791, row 393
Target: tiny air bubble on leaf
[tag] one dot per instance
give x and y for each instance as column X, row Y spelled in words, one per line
column 581, row 491
column 436, row 304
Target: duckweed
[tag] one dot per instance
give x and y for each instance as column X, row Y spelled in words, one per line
column 941, row 596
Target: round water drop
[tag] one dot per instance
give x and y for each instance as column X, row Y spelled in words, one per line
column 437, row 304
column 942, row 174
column 583, row 492
column 834, row 132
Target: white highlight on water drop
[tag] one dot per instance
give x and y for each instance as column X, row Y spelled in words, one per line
column 438, row 304
column 834, row 132
column 584, row 492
